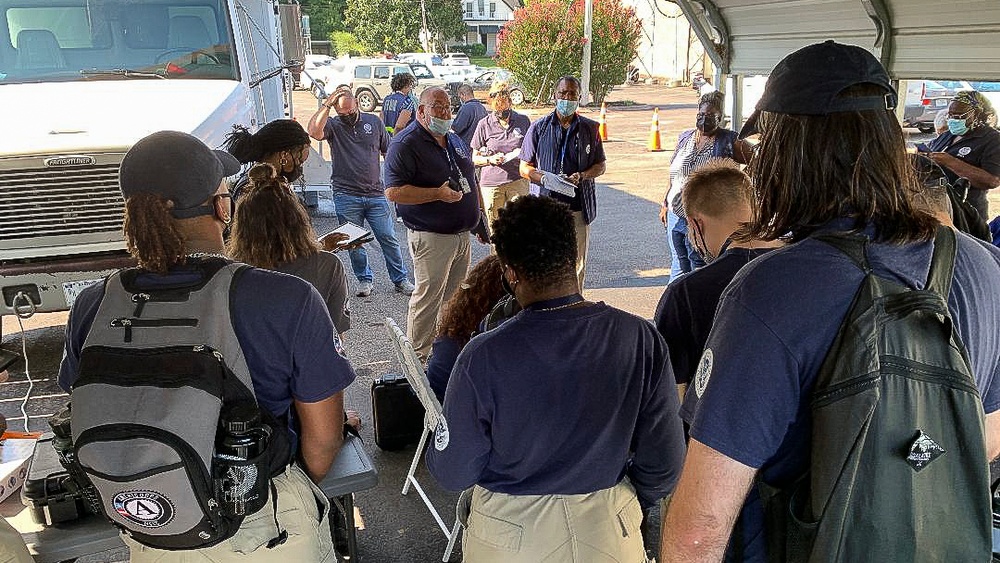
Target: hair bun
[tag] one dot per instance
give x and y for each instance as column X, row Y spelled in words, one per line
column 262, row 173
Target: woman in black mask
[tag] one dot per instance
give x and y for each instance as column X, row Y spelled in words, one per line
column 695, row 147
column 282, row 143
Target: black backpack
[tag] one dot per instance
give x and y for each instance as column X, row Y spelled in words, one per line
column 966, row 217
column 898, row 469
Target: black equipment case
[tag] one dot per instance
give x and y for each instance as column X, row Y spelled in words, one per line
column 48, row 491
column 398, row 414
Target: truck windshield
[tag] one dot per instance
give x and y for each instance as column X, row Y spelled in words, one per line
column 66, row 40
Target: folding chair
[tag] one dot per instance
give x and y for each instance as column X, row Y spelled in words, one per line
column 433, row 417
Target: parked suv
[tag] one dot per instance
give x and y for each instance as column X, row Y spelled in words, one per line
column 455, row 59
column 371, row 81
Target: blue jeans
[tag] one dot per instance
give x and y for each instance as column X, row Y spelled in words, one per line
column 683, row 256
column 375, row 210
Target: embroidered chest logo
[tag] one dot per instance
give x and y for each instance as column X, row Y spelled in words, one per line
column 704, row 372
column 588, row 149
column 368, row 128
column 964, row 151
column 148, row 509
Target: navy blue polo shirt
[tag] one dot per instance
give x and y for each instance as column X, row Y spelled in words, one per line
column 354, row 154
column 467, row 118
column 550, row 148
column 546, row 403
column 395, row 104
column 290, row 344
column 774, row 326
column 979, row 147
column 415, row 158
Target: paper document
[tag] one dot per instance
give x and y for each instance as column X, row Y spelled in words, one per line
column 561, row 186
column 512, row 155
column 352, row 231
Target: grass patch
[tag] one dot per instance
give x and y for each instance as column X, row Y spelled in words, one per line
column 621, row 103
column 483, row 61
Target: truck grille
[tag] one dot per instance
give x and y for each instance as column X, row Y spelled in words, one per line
column 59, row 202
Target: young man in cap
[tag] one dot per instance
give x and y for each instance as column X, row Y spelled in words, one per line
column 177, row 205
column 831, row 159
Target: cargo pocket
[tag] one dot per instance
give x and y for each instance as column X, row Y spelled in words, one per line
column 630, row 518
column 495, row 532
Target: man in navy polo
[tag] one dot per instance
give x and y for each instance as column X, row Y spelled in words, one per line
column 430, row 177
column 356, row 139
column 468, row 115
column 561, row 155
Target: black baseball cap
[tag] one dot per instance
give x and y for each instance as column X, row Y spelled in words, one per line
column 808, row 81
column 178, row 167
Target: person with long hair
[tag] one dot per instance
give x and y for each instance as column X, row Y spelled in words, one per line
column 970, row 148
column 272, row 230
column 695, row 147
column 831, row 161
column 460, row 319
column 177, row 205
column 564, row 418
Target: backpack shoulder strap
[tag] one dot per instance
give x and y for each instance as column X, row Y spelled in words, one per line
column 853, row 245
column 942, row 262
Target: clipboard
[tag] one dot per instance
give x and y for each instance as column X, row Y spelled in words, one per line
column 354, row 233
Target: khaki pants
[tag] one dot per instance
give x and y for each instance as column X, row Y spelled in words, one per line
column 440, row 263
column 302, row 512
column 12, row 548
column 496, row 197
column 582, row 239
column 599, row 527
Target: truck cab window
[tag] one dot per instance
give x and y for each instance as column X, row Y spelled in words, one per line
column 56, row 40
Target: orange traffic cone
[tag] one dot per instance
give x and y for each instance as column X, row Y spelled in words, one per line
column 602, row 129
column 654, row 133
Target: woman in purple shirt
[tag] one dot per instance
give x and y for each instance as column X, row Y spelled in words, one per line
column 495, row 145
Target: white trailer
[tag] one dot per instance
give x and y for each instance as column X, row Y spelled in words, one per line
column 80, row 82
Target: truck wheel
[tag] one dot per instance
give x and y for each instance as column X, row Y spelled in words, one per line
column 516, row 97
column 366, row 101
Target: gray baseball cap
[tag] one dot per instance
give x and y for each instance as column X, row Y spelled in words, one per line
column 177, row 167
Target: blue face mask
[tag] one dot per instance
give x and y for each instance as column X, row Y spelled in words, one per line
column 957, row 126
column 566, row 108
column 440, row 126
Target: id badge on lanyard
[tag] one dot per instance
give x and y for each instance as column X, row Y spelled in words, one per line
column 463, row 182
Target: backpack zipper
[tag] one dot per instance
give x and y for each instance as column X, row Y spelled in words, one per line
column 128, row 323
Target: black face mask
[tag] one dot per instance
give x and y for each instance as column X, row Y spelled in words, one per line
column 503, row 114
column 707, row 123
column 294, row 174
column 351, row 118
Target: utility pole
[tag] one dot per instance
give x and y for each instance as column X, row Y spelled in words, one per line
column 423, row 27
column 588, row 40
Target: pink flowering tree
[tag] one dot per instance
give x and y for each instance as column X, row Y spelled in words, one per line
column 545, row 41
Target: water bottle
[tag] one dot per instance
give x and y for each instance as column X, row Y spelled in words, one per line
column 62, row 443
column 240, row 467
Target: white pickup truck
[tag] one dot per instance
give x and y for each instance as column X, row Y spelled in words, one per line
column 80, row 82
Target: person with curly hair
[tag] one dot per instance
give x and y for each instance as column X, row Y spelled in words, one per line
column 695, row 147
column 971, row 147
column 399, row 109
column 272, row 230
column 548, row 413
column 460, row 319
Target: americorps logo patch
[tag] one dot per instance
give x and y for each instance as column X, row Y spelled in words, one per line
column 148, row 509
column 368, row 128
column 704, row 372
column 964, row 151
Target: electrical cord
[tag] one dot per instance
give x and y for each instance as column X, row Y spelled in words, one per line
column 22, row 314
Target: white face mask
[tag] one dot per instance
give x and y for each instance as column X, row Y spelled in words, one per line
column 440, row 126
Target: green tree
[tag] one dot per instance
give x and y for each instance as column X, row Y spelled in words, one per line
column 325, row 16
column 394, row 25
column 545, row 41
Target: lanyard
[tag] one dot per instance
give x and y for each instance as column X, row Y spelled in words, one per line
column 453, row 167
column 565, row 144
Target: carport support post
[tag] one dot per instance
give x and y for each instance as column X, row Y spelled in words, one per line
column 588, row 39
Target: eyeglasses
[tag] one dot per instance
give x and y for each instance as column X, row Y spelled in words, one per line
column 229, row 197
column 438, row 108
column 569, row 96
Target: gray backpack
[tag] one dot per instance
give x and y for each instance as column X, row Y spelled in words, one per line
column 158, row 371
column 898, row 469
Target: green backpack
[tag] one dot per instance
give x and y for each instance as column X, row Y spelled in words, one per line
column 898, row 469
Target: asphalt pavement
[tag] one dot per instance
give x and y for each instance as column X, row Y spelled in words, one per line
column 628, row 268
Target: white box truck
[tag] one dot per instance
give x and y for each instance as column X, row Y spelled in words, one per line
column 80, row 82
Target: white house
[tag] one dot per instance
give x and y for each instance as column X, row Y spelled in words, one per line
column 484, row 18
